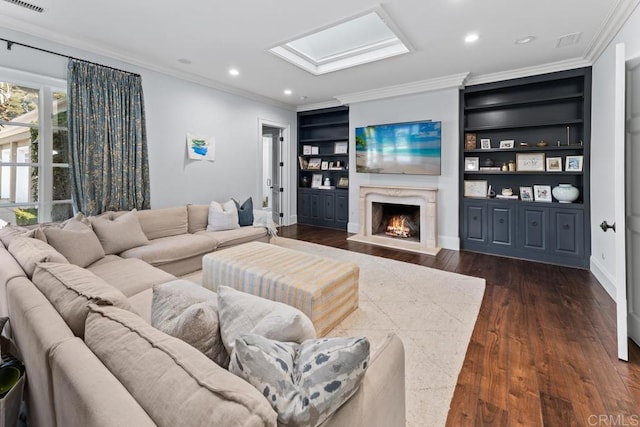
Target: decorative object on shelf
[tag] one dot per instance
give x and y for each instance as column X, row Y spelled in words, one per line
column 568, row 136
column 476, row 189
column 507, row 143
column 512, row 166
column 305, row 181
column 315, row 150
column 505, row 167
column 507, row 192
column 314, row 164
column 471, row 163
column 324, row 165
column 327, row 182
column 341, row 147
column 485, row 143
column 316, row 181
column 490, row 168
column 306, row 150
column 542, row 144
column 526, row 194
column 343, row 182
column 524, row 144
column 565, row 193
column 304, row 163
column 201, row 147
column 573, row 164
column 542, row 193
column 530, row 162
column 470, row 141
column 488, row 162
column 554, row 164
column 490, row 192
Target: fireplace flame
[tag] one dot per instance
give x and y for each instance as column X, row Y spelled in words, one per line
column 397, row 227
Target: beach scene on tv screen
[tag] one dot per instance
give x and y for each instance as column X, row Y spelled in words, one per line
column 399, row 148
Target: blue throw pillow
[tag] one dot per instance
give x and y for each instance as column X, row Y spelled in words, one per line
column 245, row 212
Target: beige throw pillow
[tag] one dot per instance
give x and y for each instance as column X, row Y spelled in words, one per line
column 241, row 313
column 29, row 252
column 119, row 234
column 189, row 312
column 70, row 289
column 172, row 381
column 77, row 242
column 223, row 216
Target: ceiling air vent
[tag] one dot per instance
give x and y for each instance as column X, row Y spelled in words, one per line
column 26, row 5
column 568, row 39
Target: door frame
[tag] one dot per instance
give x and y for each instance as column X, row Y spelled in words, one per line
column 286, row 170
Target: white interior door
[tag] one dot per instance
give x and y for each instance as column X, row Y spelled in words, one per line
column 632, row 119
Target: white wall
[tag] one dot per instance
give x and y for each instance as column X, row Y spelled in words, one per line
column 174, row 107
column 603, row 254
column 441, row 105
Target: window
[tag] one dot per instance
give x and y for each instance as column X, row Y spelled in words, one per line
column 34, row 154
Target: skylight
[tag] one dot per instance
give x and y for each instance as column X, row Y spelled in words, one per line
column 360, row 40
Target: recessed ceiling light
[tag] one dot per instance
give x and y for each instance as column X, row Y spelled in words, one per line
column 234, row 72
column 470, row 38
column 288, row 92
column 525, row 40
column 303, row 97
column 184, row 61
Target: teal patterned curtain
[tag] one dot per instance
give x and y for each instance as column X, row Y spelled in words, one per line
column 107, row 139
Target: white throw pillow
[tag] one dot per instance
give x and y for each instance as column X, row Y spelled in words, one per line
column 223, row 216
column 241, row 313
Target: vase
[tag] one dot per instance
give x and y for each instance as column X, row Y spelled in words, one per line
column 565, row 193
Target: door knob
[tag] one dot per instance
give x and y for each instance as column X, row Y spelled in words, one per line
column 606, row 226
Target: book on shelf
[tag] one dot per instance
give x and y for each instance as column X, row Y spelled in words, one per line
column 512, row 197
column 327, row 187
column 490, row 168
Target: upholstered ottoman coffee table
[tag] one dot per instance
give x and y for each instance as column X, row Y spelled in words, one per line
column 324, row 289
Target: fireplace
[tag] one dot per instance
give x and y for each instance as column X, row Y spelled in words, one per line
column 398, row 217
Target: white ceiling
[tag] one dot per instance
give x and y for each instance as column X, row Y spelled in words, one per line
column 218, row 35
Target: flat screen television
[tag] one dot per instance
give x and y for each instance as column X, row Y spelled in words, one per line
column 411, row 148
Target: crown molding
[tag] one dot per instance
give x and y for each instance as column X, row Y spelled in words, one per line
column 318, row 105
column 551, row 67
column 430, row 85
column 99, row 54
column 614, row 21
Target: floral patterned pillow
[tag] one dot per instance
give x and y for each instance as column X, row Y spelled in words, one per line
column 305, row 383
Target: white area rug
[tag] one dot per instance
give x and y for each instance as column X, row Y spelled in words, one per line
column 432, row 311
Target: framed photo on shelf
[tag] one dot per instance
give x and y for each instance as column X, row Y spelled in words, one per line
column 343, row 182
column 507, row 143
column 314, row 164
column 316, row 180
column 526, row 194
column 471, row 163
column 554, row 164
column 475, row 188
column 470, row 141
column 341, row 147
column 324, row 165
column 530, row 162
column 306, row 150
column 573, row 164
column 315, row 150
column 542, row 193
column 485, row 143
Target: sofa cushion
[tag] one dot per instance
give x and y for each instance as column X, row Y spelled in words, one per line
column 245, row 212
column 70, row 289
column 305, row 383
column 77, row 242
column 28, row 252
column 130, row 276
column 189, row 312
column 238, row 236
column 222, row 216
column 241, row 313
column 119, row 234
column 198, row 217
column 172, row 381
column 165, row 222
column 9, row 232
column 168, row 249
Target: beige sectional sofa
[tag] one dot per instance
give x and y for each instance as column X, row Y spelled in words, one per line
column 68, row 385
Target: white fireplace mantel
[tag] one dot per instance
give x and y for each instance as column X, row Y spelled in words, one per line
column 424, row 197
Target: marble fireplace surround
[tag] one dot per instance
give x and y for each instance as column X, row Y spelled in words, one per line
column 424, row 197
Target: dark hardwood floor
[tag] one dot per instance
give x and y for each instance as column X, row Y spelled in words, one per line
column 543, row 351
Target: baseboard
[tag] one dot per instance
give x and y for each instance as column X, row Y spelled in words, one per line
column 448, row 242
column 353, row 227
column 293, row 219
column 607, row 281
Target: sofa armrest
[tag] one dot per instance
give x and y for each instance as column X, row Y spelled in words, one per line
column 263, row 219
column 380, row 400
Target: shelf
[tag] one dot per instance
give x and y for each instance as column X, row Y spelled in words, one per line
column 324, row 170
column 527, row 125
column 520, row 202
column 549, row 100
column 325, row 155
column 524, row 149
column 317, row 125
column 521, row 173
column 312, row 140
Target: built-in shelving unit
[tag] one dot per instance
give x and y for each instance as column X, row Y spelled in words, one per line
column 323, row 139
column 553, row 110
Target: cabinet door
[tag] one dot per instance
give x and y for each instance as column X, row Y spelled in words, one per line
column 315, row 205
column 304, row 206
column 342, row 208
column 567, row 228
column 502, row 225
column 328, row 206
column 534, row 228
column 475, row 222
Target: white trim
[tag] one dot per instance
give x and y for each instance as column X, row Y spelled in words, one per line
column 32, row 79
column 449, row 242
column 318, row 105
column 293, row 219
column 606, row 280
column 353, row 227
column 551, row 67
column 618, row 15
column 429, row 85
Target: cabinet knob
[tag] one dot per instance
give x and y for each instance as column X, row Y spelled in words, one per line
column 566, row 227
column 534, row 223
column 501, row 220
column 475, row 218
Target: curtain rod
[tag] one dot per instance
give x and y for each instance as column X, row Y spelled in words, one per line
column 10, row 44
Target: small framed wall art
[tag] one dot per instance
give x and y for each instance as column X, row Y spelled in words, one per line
column 542, row 193
column 530, row 162
column 507, row 143
column 343, row 182
column 341, row 147
column 554, row 164
column 470, row 141
column 316, row 180
column 485, row 143
column 471, row 163
column 573, row 164
column 475, row 188
column 526, row 194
